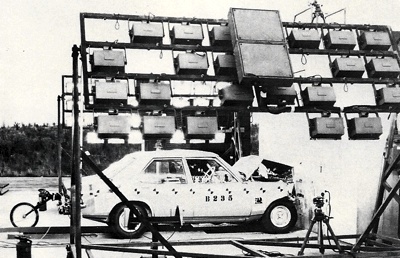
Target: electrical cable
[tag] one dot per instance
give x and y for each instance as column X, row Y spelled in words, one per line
column 117, row 25
column 168, row 238
column 173, row 233
column 45, row 234
column 329, row 215
column 303, row 59
column 86, row 239
column 150, row 239
column 130, row 240
column 5, row 244
column 345, row 86
column 327, row 231
column 329, row 203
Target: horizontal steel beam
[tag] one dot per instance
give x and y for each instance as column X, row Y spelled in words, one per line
column 150, row 17
column 195, row 20
column 190, row 77
column 167, row 220
column 341, row 52
column 336, row 26
column 173, row 77
column 228, row 241
column 175, row 47
column 395, row 108
column 322, row 80
column 54, row 230
column 305, row 109
column 228, row 49
column 222, row 109
column 295, row 245
column 155, row 252
column 130, row 249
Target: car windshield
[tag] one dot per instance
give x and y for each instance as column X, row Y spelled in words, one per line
column 116, row 167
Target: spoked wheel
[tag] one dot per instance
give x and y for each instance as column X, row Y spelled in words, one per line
column 24, row 214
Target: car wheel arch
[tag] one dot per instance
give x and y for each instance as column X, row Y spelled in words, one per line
column 283, row 199
column 139, row 203
column 266, row 221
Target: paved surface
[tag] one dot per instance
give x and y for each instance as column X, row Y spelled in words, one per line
column 46, row 245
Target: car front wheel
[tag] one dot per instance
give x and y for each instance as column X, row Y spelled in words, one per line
column 117, row 223
column 279, row 217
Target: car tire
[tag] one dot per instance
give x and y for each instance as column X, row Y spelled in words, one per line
column 279, row 217
column 117, row 223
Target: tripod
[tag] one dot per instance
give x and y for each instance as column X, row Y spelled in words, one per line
column 320, row 217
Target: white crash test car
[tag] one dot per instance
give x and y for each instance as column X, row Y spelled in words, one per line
column 199, row 184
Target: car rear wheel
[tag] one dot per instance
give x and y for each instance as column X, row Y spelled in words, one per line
column 279, row 217
column 117, row 223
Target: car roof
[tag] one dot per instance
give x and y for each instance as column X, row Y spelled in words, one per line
column 141, row 158
column 172, row 153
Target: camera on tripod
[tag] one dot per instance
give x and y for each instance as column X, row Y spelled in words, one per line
column 320, row 217
column 319, row 201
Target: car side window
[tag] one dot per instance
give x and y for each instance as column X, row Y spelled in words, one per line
column 208, row 171
column 167, row 170
column 151, row 169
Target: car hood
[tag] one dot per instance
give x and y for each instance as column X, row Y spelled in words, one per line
column 248, row 165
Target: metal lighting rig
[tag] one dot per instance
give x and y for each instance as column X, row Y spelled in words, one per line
column 272, row 90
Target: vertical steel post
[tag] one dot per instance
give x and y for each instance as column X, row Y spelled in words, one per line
column 154, row 242
column 84, row 60
column 63, row 101
column 75, row 175
column 245, row 122
column 59, row 140
column 237, row 140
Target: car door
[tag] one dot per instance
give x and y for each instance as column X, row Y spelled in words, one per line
column 167, row 185
column 215, row 191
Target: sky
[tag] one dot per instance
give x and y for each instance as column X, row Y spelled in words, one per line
column 36, row 38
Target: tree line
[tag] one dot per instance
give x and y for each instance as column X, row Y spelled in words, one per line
column 31, row 150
